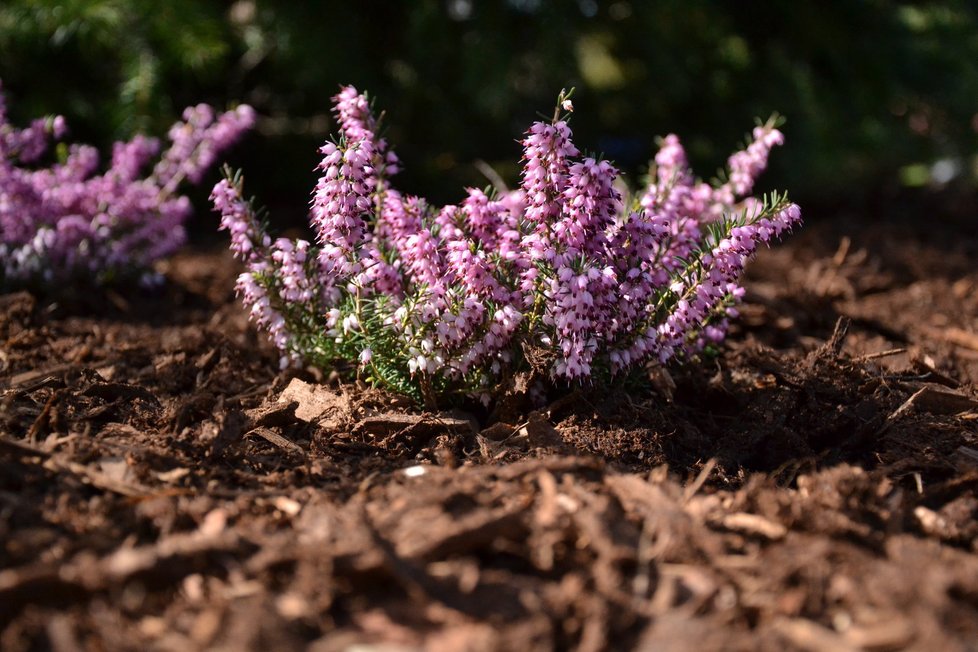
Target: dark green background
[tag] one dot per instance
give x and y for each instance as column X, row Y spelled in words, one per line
column 876, row 93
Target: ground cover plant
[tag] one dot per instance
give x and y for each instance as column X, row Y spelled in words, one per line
column 563, row 276
column 63, row 220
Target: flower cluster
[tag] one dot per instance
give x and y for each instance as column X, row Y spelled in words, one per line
column 69, row 220
column 563, row 275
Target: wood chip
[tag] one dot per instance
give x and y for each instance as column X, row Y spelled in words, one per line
column 273, row 437
column 941, row 401
column 754, row 524
column 29, row 376
column 925, row 365
column 172, row 475
column 97, row 478
column 930, row 521
column 287, row 506
column 17, row 448
column 933, row 400
column 387, row 424
column 498, row 431
column 879, row 354
column 810, row 636
column 690, row 490
column 315, row 402
column 273, row 415
column 961, row 337
column 894, row 634
column 540, row 432
column 968, row 454
column 59, row 464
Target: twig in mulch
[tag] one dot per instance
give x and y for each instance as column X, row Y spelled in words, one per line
column 701, row 478
column 880, row 354
column 810, row 636
column 96, row 478
column 961, row 337
column 20, row 449
column 29, row 376
column 970, row 455
column 388, row 424
column 754, row 524
column 926, row 367
column 413, row 577
column 839, row 333
column 248, row 393
column 166, row 562
column 931, row 399
column 58, row 464
column 276, row 439
column 44, row 417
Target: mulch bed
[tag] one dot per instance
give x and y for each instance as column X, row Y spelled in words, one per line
column 815, row 487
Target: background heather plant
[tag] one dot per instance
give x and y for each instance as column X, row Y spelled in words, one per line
column 68, row 221
column 563, row 276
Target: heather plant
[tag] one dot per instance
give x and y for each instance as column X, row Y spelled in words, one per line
column 564, row 276
column 67, row 221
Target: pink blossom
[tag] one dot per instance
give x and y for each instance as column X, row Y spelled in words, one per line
column 458, row 294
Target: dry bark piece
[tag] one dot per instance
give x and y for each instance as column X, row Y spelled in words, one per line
column 941, row 401
column 60, row 464
column 925, row 365
column 166, row 561
column 968, row 454
column 662, row 381
column 498, row 431
column 810, row 636
column 933, row 400
column 273, row 415
column 276, row 439
column 384, row 425
column 113, row 391
column 894, row 634
column 538, row 431
column 315, row 403
column 961, row 337
column 755, row 525
column 15, row 447
column 97, row 478
column 29, row 376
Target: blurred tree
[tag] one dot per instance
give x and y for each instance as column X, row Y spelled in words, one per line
column 876, row 92
column 116, row 65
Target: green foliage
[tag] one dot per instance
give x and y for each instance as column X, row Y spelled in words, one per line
column 877, row 91
column 119, row 66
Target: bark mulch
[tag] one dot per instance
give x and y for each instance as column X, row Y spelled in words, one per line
column 814, row 487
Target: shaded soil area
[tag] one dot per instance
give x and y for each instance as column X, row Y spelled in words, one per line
column 814, row 487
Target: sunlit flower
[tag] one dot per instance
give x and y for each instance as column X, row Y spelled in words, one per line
column 458, row 294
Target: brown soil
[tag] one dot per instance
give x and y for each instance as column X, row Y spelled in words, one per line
column 815, row 487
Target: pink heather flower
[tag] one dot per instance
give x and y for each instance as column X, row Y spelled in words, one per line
column 357, row 124
column 290, row 258
column 366, row 356
column 546, row 149
column 453, row 294
column 68, row 220
column 589, row 206
column 491, row 223
column 745, row 166
column 131, row 157
column 196, row 142
column 248, row 241
column 343, row 198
